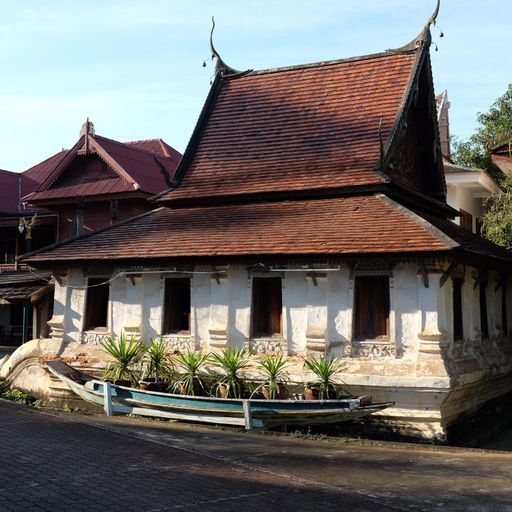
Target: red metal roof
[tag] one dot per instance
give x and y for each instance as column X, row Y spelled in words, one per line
column 308, row 127
column 343, row 225
column 143, row 162
column 158, row 146
column 33, row 177
column 9, row 191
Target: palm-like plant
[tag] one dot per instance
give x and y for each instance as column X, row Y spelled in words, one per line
column 190, row 366
column 126, row 353
column 157, row 363
column 275, row 372
column 325, row 370
column 232, row 361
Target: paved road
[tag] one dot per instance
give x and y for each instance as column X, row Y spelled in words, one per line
column 54, row 463
column 72, row 462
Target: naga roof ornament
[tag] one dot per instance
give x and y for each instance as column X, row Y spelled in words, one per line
column 423, row 37
column 221, row 68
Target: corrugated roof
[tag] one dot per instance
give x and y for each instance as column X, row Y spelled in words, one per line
column 145, row 163
column 9, row 191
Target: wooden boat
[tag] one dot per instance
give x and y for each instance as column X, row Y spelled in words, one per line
column 250, row 413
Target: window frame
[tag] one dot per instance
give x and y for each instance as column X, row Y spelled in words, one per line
column 93, row 287
column 359, row 327
column 274, row 316
column 458, row 308
column 484, row 310
column 169, row 326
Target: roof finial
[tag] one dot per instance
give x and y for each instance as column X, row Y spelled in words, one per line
column 86, row 131
column 221, row 68
column 433, row 18
column 424, row 37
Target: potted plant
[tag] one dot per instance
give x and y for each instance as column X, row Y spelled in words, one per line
column 276, row 375
column 231, row 361
column 190, row 378
column 126, row 352
column 326, row 384
column 157, row 366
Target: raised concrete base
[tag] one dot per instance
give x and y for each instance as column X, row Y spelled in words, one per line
column 426, row 406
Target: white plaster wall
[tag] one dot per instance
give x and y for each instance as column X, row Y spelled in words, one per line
column 240, row 306
column 295, row 304
column 118, row 303
column 75, row 300
column 339, row 310
column 200, row 299
column 153, row 306
column 460, row 197
column 404, row 303
column 305, row 307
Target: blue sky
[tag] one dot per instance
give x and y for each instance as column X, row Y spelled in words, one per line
column 135, row 66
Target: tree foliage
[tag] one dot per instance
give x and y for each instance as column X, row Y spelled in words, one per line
column 494, row 127
column 497, row 220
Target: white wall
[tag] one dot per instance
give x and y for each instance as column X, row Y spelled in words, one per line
column 320, row 314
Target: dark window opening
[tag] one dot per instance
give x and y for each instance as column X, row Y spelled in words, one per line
column 96, row 309
column 267, row 306
column 17, row 313
column 504, row 319
column 176, row 305
column 484, row 323
column 458, row 333
column 371, row 307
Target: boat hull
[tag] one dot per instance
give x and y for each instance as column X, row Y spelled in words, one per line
column 252, row 413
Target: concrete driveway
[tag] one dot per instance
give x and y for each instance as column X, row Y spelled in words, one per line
column 100, row 463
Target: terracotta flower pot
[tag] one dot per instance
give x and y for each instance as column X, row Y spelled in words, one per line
column 281, row 394
column 151, row 385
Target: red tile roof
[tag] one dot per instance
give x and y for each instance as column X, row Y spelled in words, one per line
column 307, row 127
column 338, row 226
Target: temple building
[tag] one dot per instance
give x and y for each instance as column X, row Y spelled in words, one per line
column 308, row 215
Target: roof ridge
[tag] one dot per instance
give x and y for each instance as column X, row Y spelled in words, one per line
column 370, row 56
column 10, row 172
column 46, row 160
column 131, row 144
column 422, row 222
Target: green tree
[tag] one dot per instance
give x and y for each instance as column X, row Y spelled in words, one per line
column 497, row 220
column 494, row 127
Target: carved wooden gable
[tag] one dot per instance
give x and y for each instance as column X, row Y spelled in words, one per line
column 416, row 160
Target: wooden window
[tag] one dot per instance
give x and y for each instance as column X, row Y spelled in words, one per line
column 458, row 333
column 371, row 307
column 466, row 220
column 266, row 306
column 484, row 323
column 504, row 316
column 176, row 305
column 96, row 307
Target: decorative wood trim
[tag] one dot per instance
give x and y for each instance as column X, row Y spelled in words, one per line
column 424, row 274
column 480, row 278
column 446, row 274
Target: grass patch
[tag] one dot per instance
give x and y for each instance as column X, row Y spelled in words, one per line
column 15, row 395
